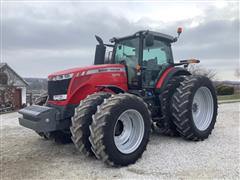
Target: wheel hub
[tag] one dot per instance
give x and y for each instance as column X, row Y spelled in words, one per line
column 195, row 107
column 119, row 128
column 202, row 108
column 128, row 131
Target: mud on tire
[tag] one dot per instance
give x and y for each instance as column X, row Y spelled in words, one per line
column 121, row 116
column 83, row 118
column 194, row 108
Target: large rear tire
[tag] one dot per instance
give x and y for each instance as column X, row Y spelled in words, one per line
column 194, row 108
column 82, row 120
column 120, row 130
column 166, row 125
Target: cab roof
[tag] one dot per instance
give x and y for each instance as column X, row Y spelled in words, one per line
column 166, row 37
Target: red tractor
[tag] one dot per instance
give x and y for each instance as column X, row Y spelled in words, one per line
column 108, row 109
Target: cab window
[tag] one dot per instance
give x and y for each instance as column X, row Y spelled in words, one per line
column 155, row 59
column 127, row 52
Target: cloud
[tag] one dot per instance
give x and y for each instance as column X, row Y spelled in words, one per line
column 212, row 39
column 52, row 37
column 79, row 32
column 40, row 63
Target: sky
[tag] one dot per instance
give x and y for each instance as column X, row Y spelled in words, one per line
column 41, row 37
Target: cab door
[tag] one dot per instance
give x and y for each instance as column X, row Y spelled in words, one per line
column 156, row 59
column 127, row 53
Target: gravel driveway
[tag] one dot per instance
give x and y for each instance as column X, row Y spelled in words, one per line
column 24, row 155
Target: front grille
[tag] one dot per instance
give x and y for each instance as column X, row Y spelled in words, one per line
column 57, row 87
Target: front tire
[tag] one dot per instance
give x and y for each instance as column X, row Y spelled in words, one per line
column 82, row 120
column 194, row 108
column 120, row 130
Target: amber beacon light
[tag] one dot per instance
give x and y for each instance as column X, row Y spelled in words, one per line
column 179, row 31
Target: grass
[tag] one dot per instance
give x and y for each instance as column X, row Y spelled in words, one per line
column 229, row 97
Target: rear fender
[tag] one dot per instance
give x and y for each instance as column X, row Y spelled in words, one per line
column 168, row 75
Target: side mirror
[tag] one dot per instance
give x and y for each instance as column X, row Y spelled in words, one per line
column 149, row 40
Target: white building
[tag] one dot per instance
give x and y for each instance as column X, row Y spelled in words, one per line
column 13, row 88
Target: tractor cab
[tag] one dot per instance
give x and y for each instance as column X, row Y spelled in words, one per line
column 146, row 54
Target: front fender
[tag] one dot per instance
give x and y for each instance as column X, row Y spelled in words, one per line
column 113, row 88
column 81, row 93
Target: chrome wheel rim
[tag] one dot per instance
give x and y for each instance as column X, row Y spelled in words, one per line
column 128, row 131
column 202, row 108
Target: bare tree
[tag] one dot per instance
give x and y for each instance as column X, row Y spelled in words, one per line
column 237, row 73
column 199, row 70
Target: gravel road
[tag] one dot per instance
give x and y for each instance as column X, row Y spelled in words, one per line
column 24, row 155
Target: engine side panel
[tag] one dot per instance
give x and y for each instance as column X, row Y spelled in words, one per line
column 83, row 85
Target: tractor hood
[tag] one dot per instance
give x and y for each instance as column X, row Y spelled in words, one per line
column 74, row 71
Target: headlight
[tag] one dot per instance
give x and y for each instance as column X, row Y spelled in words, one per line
column 60, row 97
column 61, row 77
